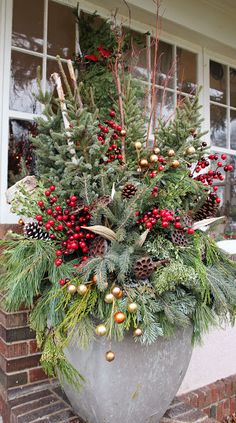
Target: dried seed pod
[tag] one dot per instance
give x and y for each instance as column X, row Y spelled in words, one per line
column 144, row 267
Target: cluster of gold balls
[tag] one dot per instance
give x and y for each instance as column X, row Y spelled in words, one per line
column 81, row 289
column 119, row 318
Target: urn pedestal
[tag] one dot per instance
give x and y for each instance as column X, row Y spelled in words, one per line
column 137, row 387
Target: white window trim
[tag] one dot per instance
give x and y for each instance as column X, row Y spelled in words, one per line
column 224, row 60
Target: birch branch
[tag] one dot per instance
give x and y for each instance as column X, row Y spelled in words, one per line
column 56, row 78
column 74, row 82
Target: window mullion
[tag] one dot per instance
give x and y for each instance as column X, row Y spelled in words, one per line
column 175, row 74
column 45, row 41
column 228, row 108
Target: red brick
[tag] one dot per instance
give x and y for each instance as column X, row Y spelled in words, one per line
column 228, row 387
column 232, row 405
column 200, row 398
column 226, row 407
column 214, row 392
column 193, row 399
column 33, row 348
column 208, row 395
column 207, row 410
column 37, row 374
column 20, row 363
column 34, row 405
column 221, row 389
column 219, row 411
column 10, row 350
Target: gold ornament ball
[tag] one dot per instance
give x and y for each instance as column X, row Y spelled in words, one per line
column 138, row 145
column 175, row 164
column 82, row 289
column 21, row 222
column 101, row 330
column 139, row 170
column 72, row 289
column 123, row 132
column 109, row 298
column 117, row 292
column 132, row 307
column 143, row 163
column 119, row 317
column 110, row 356
column 156, row 150
column 138, row 332
column 190, row 150
column 153, row 158
column 171, row 153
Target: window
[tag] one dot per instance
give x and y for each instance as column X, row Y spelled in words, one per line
column 41, row 30
column 222, row 97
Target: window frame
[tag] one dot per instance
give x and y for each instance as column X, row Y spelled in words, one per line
column 6, row 47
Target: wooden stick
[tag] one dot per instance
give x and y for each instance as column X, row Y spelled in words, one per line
column 56, row 78
column 74, row 82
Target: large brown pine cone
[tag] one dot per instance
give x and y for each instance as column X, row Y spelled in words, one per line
column 129, row 191
column 208, row 209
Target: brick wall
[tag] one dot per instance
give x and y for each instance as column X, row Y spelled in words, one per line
column 217, row 400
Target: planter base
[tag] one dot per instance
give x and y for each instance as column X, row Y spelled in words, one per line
column 137, row 386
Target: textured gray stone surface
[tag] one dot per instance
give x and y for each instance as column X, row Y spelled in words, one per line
column 137, row 386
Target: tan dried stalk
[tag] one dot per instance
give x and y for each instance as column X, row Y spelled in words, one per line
column 74, row 83
column 57, row 80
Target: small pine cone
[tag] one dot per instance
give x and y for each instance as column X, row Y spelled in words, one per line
column 179, row 238
column 144, row 267
column 34, row 231
column 129, row 191
column 208, row 209
column 98, row 247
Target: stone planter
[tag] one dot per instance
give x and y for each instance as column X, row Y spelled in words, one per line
column 137, row 386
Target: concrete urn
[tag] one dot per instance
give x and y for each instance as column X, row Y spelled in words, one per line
column 137, row 387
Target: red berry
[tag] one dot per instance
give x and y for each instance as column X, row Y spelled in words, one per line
column 223, row 156
column 119, row 156
column 119, row 128
column 58, row 208
column 49, row 211
column 54, row 199
column 39, row 217
column 218, row 200
column 58, row 262
column 40, row 203
column 73, row 198
column 219, row 164
column 177, row 225
column 52, row 188
column 160, row 168
column 62, row 282
column 48, row 226
column 215, row 188
column 47, row 193
column 85, row 258
column 51, row 222
column 165, row 224
column 230, row 168
column 148, row 225
column 112, row 113
column 190, row 231
column 59, row 253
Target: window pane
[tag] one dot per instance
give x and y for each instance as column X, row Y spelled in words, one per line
column 165, row 66
column 233, row 129
column 24, row 82
column 232, row 87
column 27, row 25
column 61, row 30
column 218, row 82
column 137, row 55
column 165, row 105
column 20, row 150
column 186, row 70
column 218, row 125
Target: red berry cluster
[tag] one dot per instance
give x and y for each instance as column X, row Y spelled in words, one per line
column 64, row 222
column 113, row 151
column 164, row 218
column 210, row 176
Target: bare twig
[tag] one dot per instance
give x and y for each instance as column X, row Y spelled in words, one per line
column 74, row 83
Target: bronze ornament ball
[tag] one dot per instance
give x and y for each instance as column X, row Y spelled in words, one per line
column 117, row 292
column 175, row 164
column 190, row 150
column 156, row 150
column 153, row 158
column 143, row 163
column 119, row 317
column 171, row 152
column 123, row 132
column 138, row 145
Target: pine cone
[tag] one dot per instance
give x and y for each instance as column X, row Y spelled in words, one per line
column 105, row 200
column 129, row 191
column 98, row 247
column 208, row 209
column 34, row 231
column 144, row 267
column 179, row 238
